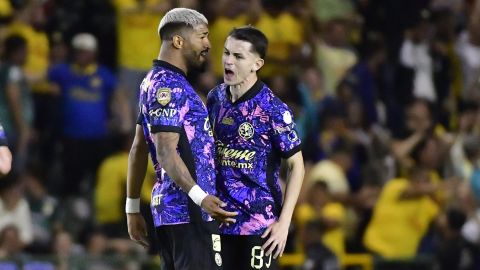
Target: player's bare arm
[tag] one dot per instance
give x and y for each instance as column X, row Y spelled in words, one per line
column 137, row 166
column 278, row 231
column 5, row 160
column 166, row 145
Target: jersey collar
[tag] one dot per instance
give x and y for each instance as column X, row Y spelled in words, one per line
column 164, row 64
column 88, row 70
column 251, row 93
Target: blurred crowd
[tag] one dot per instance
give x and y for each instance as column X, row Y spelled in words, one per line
column 386, row 96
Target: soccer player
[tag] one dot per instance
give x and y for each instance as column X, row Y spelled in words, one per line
column 173, row 126
column 254, row 131
column 5, row 154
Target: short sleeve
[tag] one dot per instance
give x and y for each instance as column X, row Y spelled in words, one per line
column 284, row 134
column 14, row 74
column 139, row 118
column 166, row 109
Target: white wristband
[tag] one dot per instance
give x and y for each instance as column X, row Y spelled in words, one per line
column 197, row 194
column 132, row 206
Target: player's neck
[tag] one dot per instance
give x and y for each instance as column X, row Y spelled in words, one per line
column 238, row 90
column 173, row 59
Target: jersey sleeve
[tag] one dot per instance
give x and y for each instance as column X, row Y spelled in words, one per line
column 3, row 136
column 284, row 134
column 166, row 108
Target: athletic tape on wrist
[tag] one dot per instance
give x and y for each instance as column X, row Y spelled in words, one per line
column 132, row 206
column 197, row 194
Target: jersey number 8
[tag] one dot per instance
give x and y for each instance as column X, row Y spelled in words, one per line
column 257, row 258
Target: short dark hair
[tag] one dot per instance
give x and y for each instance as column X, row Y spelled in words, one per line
column 252, row 35
column 170, row 29
column 14, row 43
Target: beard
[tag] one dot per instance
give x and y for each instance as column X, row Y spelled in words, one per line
column 193, row 61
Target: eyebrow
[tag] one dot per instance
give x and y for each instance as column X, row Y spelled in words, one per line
column 235, row 54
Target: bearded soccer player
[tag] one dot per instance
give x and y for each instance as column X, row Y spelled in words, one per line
column 254, row 131
column 173, row 126
column 5, row 154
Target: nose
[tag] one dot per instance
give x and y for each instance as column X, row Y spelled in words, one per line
column 228, row 60
column 207, row 44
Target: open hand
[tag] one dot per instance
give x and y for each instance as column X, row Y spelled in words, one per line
column 137, row 229
column 278, row 232
column 214, row 207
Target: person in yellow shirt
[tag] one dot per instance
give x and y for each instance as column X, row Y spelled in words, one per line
column 28, row 19
column 110, row 188
column 330, row 215
column 333, row 171
column 402, row 215
column 137, row 20
column 285, row 36
column 333, row 55
column 232, row 14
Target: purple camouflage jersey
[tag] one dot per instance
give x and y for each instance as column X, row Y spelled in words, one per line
column 3, row 136
column 168, row 103
column 252, row 135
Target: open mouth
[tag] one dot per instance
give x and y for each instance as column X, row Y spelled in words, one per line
column 204, row 53
column 228, row 72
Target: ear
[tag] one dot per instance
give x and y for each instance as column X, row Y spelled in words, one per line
column 177, row 41
column 258, row 64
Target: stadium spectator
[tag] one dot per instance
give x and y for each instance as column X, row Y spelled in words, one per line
column 16, row 107
column 136, row 23
column 468, row 50
column 330, row 216
column 402, row 215
column 231, row 14
column 44, row 210
column 88, row 103
column 333, row 171
column 109, row 201
column 14, row 208
column 11, row 246
column 452, row 251
column 285, row 36
column 333, row 54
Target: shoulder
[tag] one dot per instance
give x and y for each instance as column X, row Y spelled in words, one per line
column 169, row 79
column 63, row 67
column 163, row 80
column 216, row 93
column 275, row 106
column 167, row 88
column 105, row 71
column 396, row 185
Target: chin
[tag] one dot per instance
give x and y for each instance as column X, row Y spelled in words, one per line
column 228, row 82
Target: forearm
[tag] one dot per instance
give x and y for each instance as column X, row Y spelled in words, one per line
column 414, row 192
column 295, row 175
column 401, row 149
column 176, row 168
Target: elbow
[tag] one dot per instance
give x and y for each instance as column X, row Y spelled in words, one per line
column 138, row 149
column 163, row 154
